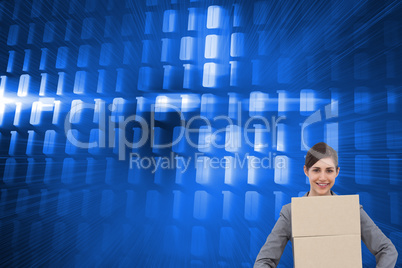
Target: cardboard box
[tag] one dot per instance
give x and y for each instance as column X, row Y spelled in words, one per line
column 326, row 231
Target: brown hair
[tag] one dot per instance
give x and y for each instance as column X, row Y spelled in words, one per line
column 319, row 151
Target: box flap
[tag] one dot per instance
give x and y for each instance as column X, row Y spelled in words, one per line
column 325, row 215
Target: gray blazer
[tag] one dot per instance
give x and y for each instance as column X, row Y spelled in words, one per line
column 378, row 244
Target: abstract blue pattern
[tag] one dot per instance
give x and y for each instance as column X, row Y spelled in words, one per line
column 169, row 133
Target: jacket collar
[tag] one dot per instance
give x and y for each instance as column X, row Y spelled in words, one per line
column 332, row 193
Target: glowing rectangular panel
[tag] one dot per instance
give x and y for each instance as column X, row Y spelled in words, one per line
column 361, row 66
column 43, row 59
column 235, row 103
column 252, row 206
column 36, row 9
column 203, row 171
column 152, row 204
column 396, row 215
column 362, row 135
column 23, row 85
column 75, row 112
column 281, row 170
column 127, row 25
column 211, row 46
column 60, row 83
column 83, row 56
column 201, row 205
column 129, row 53
column 234, row 73
column 17, row 117
column 10, row 63
column 258, row 103
column 178, row 200
column 331, row 135
column 69, row 30
column 363, row 169
column 121, row 74
column 9, row 170
column 68, row 171
column 147, row 50
column 261, row 137
column 49, row 142
column 233, row 138
column 209, row 76
column 43, row 105
column 21, row 204
column 394, row 139
column 31, row 33
column 108, row 26
column 48, row 34
column 187, row 48
column 120, row 78
column 62, row 57
column 189, row 75
column 80, row 82
column 228, row 206
column 228, row 245
column 204, row 139
column 106, row 54
column 43, row 84
column 261, row 12
column 237, row 45
column 90, row 5
column 63, row 204
column 117, row 109
column 149, row 21
column 230, row 169
column 2, row 110
column 27, row 60
column 88, row 28
column 3, row 80
column 100, row 88
column 280, row 143
column 13, row 35
column 237, row 16
column 395, row 169
column 192, row 19
column 307, row 100
column 199, row 245
column 214, row 17
column 362, row 100
column 170, row 19
column 32, row 137
column 167, row 47
column 56, row 113
column 151, row 2
column 285, row 70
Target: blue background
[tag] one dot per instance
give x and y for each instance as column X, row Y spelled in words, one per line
column 65, row 206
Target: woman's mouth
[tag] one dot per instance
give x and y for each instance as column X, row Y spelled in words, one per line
column 323, row 185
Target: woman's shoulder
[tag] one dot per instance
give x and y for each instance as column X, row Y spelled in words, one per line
column 286, row 209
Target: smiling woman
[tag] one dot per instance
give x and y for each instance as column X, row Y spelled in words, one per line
column 321, row 167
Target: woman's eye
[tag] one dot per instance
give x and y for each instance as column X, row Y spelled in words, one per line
column 330, row 171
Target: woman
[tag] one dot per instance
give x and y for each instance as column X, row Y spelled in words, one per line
column 321, row 167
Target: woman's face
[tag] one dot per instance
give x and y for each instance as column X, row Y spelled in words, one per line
column 322, row 176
